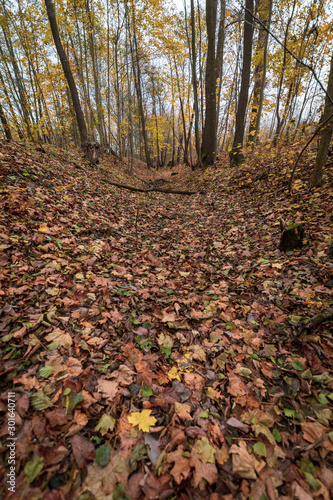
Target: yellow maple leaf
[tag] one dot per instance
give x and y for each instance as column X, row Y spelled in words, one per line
column 43, row 228
column 142, row 419
column 173, row 373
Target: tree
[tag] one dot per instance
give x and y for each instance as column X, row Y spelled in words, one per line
column 85, row 144
column 4, row 123
column 213, row 80
column 326, row 135
column 264, row 13
column 236, row 155
column 194, row 83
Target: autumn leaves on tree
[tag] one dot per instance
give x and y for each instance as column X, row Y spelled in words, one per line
column 143, row 80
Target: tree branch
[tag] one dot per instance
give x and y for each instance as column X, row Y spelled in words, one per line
column 320, row 126
column 291, row 53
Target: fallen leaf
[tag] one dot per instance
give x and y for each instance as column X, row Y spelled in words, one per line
column 142, row 419
column 64, row 339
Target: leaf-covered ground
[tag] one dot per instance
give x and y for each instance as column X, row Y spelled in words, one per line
column 158, row 345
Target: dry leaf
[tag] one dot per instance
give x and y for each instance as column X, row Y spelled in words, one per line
column 64, row 339
column 183, row 411
column 108, row 388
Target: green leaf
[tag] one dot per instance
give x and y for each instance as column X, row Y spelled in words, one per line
column 307, row 466
column 311, row 481
column 331, row 436
column 206, row 451
column 294, row 320
column 255, row 356
column 6, row 338
column 322, row 399
column 204, row 414
column 260, row 449
column 289, row 413
column 166, row 351
column 277, row 435
column 146, row 391
column 53, row 345
column 75, row 400
column 33, row 467
column 229, row 325
column 323, row 378
column 297, row 365
column 119, row 465
column 105, row 423
column 66, row 391
column 119, row 492
column 139, row 453
column 40, row 401
column 103, row 454
column 307, row 375
column 46, row 371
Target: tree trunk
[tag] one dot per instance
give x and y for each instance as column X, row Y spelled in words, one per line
column 278, row 100
column 5, row 124
column 194, row 84
column 236, row 155
column 264, row 13
column 137, row 82
column 213, row 81
column 68, row 74
column 326, row 135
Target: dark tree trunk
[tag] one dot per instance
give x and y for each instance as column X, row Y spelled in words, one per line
column 194, row 83
column 326, row 135
column 5, row 124
column 236, row 155
column 264, row 13
column 68, row 74
column 208, row 148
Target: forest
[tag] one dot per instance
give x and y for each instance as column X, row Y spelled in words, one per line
column 166, row 249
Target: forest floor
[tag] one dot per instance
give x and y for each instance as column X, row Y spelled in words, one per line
column 158, row 345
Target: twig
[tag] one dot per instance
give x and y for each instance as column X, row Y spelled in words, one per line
column 309, row 447
column 291, row 53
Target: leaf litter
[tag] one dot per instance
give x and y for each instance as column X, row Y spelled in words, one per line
column 158, row 344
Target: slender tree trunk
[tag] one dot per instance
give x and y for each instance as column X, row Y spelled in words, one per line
column 278, row 100
column 185, row 159
column 98, row 99
column 236, row 155
column 264, row 13
column 219, row 58
column 129, row 91
column 194, row 84
column 326, row 135
column 68, row 74
column 19, row 84
column 213, row 81
column 80, row 70
column 137, row 81
column 5, row 125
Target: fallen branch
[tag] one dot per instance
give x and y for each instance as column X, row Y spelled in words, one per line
column 149, row 190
